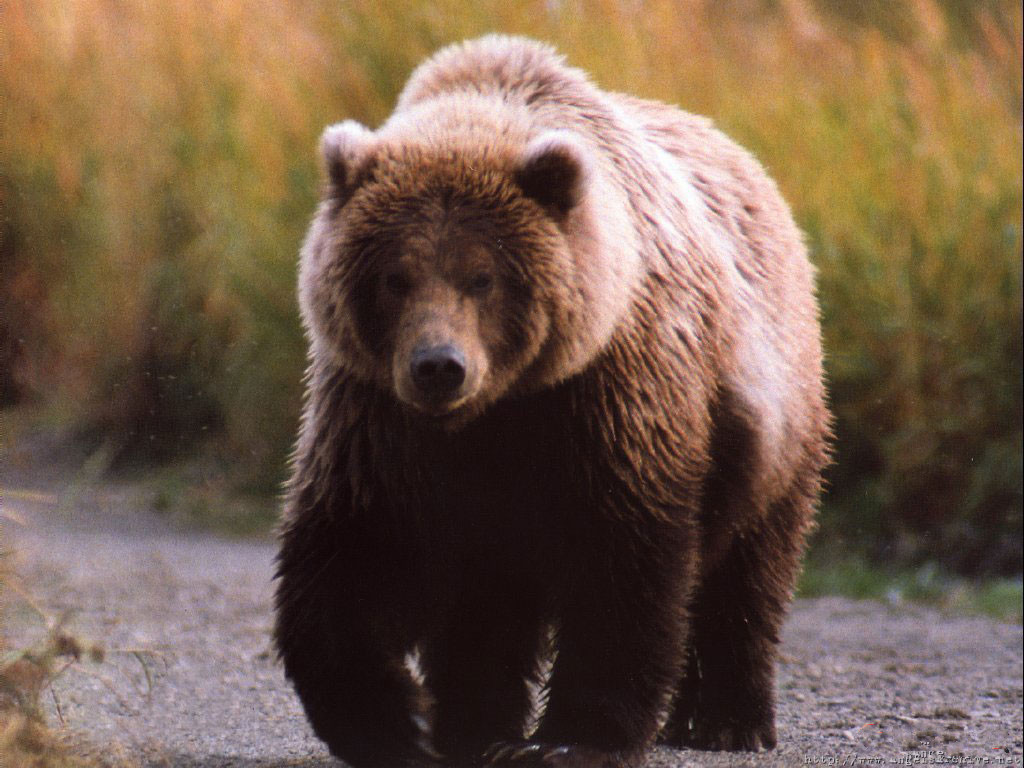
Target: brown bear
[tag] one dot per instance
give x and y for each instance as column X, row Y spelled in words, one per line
column 565, row 410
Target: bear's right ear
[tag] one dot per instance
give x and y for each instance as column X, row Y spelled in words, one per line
column 345, row 149
column 554, row 171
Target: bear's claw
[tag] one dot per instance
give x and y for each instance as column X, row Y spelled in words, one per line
column 532, row 754
column 725, row 738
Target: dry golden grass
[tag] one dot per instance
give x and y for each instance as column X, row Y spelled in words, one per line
column 32, row 727
column 158, row 172
column 26, row 741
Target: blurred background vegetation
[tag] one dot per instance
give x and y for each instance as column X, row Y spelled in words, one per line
column 157, row 172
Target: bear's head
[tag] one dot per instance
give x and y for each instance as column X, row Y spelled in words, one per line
column 456, row 272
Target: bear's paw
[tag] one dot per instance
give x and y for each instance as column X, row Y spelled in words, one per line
column 731, row 737
column 534, row 754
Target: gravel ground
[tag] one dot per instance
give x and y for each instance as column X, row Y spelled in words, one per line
column 860, row 683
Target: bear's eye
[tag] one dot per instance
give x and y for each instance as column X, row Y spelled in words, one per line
column 481, row 284
column 397, row 284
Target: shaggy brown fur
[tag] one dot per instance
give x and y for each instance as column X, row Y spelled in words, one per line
column 565, row 373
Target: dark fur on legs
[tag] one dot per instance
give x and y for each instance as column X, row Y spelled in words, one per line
column 726, row 697
column 480, row 665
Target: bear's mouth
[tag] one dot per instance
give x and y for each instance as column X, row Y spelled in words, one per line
column 449, row 416
column 448, row 413
column 441, row 410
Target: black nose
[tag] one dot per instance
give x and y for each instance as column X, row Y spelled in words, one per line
column 438, row 371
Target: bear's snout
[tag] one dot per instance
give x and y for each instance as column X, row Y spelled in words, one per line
column 438, row 371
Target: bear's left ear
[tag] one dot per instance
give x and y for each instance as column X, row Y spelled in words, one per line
column 553, row 171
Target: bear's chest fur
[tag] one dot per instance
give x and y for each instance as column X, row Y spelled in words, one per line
column 508, row 484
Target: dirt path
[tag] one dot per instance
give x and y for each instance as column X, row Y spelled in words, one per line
column 858, row 681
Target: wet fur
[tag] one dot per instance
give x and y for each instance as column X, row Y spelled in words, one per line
column 639, row 470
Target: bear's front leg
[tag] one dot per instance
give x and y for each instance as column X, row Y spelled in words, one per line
column 621, row 642
column 479, row 667
column 726, row 700
column 343, row 649
column 362, row 705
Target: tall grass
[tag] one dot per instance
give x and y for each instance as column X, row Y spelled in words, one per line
column 158, row 172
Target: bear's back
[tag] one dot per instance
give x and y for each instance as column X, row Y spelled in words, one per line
column 770, row 358
column 514, row 69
